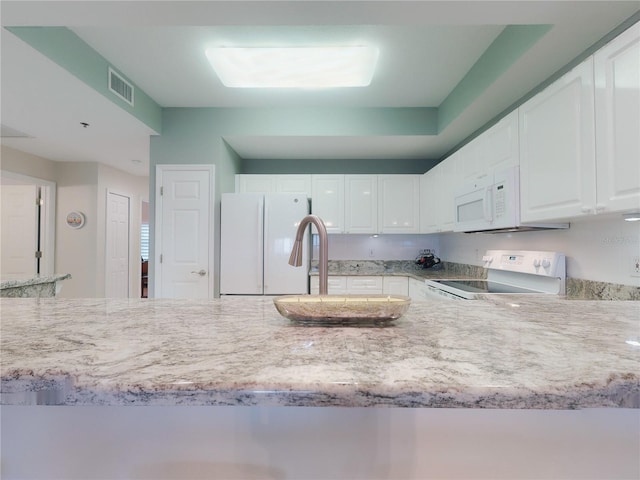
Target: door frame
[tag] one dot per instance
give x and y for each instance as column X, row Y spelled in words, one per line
column 47, row 217
column 131, row 251
column 157, row 231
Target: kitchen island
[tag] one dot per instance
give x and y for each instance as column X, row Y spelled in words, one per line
column 501, row 352
column 32, row 285
column 551, row 359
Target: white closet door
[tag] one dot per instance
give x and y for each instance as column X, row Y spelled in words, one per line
column 19, row 229
column 117, row 246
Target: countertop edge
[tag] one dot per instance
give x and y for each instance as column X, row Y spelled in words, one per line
column 621, row 392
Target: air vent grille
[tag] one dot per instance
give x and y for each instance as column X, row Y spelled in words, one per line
column 120, row 87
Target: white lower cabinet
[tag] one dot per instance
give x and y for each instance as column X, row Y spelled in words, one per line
column 336, row 285
column 418, row 291
column 397, row 285
column 362, row 284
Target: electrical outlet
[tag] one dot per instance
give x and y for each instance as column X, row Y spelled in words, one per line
column 635, row 266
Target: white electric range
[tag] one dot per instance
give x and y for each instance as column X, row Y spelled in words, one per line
column 509, row 272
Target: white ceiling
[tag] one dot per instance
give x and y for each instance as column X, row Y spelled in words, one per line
column 426, row 48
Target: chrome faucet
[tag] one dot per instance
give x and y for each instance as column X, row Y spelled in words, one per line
column 323, row 263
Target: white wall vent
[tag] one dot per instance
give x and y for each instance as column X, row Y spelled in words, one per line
column 120, row 87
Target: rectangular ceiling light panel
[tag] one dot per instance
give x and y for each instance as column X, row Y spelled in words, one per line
column 294, row 67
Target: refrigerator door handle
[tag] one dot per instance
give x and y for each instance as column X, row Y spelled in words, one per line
column 261, row 254
column 265, row 237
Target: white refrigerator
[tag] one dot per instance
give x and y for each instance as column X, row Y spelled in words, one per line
column 257, row 234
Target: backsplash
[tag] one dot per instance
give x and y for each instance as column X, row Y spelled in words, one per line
column 589, row 290
column 599, row 253
column 598, row 249
column 464, row 270
column 381, row 247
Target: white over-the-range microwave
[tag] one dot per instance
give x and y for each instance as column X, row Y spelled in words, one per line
column 492, row 204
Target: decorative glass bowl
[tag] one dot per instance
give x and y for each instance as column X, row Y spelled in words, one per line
column 342, row 310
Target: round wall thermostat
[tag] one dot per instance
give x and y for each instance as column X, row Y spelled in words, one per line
column 75, row 219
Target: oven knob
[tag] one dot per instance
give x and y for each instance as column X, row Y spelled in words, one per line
column 546, row 263
column 536, row 263
column 487, row 258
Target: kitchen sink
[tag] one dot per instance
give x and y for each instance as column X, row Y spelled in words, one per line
column 342, row 310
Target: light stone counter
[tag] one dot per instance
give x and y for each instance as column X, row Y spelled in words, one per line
column 508, row 352
column 35, row 286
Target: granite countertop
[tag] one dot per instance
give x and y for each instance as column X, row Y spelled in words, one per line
column 406, row 268
column 19, row 281
column 505, row 351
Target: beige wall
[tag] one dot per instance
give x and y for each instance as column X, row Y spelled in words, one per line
column 83, row 186
column 77, row 250
column 15, row 161
column 137, row 189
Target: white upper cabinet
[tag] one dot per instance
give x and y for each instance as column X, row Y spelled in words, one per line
column 361, row 207
column 437, row 192
column 250, row 183
column 499, row 145
column 399, row 203
column 265, row 183
column 471, row 168
column 617, row 102
column 294, row 184
column 557, row 149
column 449, row 178
column 493, row 150
column 327, row 201
column 429, row 192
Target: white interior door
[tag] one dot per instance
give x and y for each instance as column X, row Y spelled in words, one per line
column 184, row 234
column 117, row 246
column 47, row 227
column 19, row 229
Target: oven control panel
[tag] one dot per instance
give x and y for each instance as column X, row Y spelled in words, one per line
column 549, row 264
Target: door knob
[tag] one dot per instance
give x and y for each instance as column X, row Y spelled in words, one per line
column 202, row 273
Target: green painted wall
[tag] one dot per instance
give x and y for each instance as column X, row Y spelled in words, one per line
column 505, row 50
column 188, row 138
column 69, row 51
column 374, row 166
column 191, row 135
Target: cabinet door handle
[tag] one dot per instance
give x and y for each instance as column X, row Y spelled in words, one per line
column 202, row 273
